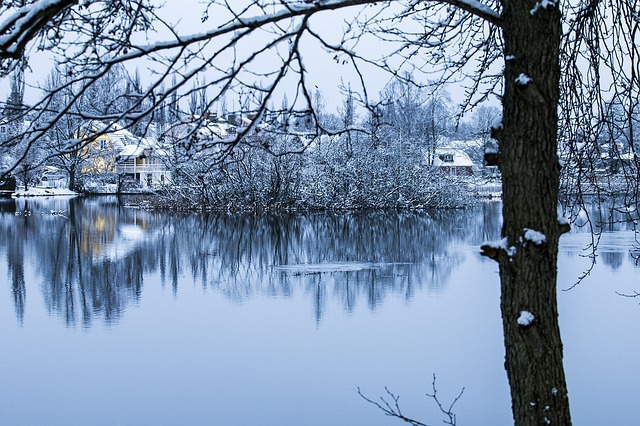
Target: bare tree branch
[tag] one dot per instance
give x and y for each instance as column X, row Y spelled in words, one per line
column 392, row 408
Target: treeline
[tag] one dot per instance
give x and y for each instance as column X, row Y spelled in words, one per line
column 381, row 156
column 332, row 174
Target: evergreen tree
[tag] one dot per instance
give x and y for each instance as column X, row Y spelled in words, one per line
column 14, row 106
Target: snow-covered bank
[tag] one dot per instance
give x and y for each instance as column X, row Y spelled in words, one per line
column 41, row 191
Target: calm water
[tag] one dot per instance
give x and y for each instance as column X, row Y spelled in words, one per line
column 115, row 316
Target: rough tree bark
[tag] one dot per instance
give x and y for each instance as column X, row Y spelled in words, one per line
column 527, row 255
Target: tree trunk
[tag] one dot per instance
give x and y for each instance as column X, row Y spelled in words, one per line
column 530, row 172
column 72, row 179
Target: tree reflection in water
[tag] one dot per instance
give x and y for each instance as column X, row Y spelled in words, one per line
column 90, row 256
column 603, row 229
column 89, row 266
column 91, row 261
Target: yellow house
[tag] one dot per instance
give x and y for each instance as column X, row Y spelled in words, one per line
column 102, row 146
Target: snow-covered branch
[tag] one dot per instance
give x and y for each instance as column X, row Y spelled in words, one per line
column 24, row 24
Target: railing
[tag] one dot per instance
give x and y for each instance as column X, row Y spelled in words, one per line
column 139, row 168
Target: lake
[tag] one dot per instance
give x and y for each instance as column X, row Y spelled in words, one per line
column 117, row 316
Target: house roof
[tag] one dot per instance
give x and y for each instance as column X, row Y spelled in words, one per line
column 121, row 137
column 457, row 157
column 129, row 151
column 143, row 147
column 217, row 130
column 118, row 135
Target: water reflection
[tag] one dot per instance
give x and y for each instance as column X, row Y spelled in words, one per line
column 605, row 230
column 59, row 243
column 90, row 256
column 209, row 344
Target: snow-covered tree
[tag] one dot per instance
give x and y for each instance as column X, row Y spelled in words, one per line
column 57, row 139
column 14, row 105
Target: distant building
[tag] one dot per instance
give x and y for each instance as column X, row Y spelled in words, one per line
column 453, row 162
column 103, row 144
column 114, row 149
column 144, row 162
column 4, row 129
column 53, row 177
column 7, row 186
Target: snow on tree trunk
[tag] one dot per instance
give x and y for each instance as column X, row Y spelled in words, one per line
column 529, row 165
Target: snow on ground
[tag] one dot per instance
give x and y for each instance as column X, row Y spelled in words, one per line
column 42, row 191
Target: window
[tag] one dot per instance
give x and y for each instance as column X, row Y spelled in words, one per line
column 446, row 158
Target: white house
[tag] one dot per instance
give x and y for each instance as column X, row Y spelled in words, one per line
column 144, row 161
column 4, row 129
column 53, row 177
column 453, row 162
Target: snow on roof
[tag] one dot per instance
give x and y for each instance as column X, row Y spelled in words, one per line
column 131, row 151
column 122, row 137
column 118, row 135
column 143, row 146
column 51, row 169
column 217, row 130
column 449, row 157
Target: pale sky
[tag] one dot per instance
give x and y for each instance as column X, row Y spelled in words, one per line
column 324, row 72
column 186, row 15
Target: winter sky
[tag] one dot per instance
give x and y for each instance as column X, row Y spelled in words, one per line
column 324, row 72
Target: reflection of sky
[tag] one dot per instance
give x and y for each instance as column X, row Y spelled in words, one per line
column 613, row 249
column 600, row 336
column 195, row 356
